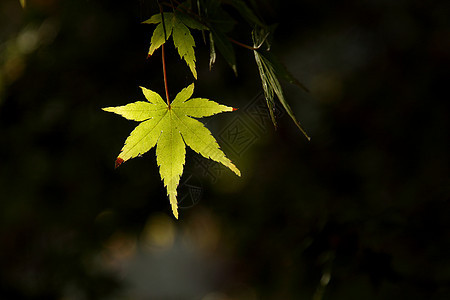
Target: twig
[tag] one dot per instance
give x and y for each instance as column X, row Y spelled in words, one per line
column 242, row 45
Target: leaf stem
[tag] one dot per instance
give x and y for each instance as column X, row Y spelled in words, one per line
column 165, row 75
column 163, row 56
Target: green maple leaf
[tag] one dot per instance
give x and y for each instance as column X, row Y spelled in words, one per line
column 170, row 128
column 175, row 24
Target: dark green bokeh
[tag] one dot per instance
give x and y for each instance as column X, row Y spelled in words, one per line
column 360, row 212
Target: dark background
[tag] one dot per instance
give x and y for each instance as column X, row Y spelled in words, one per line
column 360, row 212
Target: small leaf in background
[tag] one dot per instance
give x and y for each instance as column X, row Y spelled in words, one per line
column 225, row 48
column 212, row 51
column 271, row 84
column 268, row 90
column 219, row 23
column 23, row 3
column 171, row 128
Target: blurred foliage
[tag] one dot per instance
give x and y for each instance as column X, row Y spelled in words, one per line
column 360, row 212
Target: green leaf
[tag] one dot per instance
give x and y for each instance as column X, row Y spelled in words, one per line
column 182, row 38
column 23, row 3
column 184, row 42
column 158, row 37
column 271, row 84
column 268, row 90
column 170, row 128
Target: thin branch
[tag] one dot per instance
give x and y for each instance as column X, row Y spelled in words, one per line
column 243, row 45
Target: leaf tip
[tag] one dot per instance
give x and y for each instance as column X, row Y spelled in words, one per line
column 234, row 109
column 174, row 205
column 234, row 169
column 303, row 131
column 234, row 70
column 119, row 161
